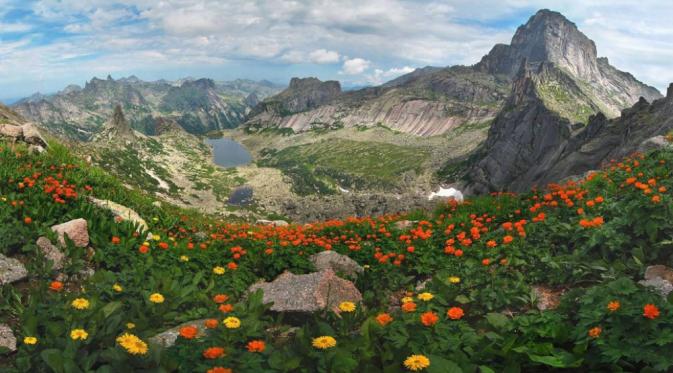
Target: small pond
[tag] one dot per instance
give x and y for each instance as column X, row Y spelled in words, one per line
column 229, row 153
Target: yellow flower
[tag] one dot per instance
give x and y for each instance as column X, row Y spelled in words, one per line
column 132, row 344
column 324, row 342
column 218, row 270
column 156, row 298
column 454, row 279
column 130, row 325
column 366, row 266
column 347, row 307
column 425, row 296
column 156, row 237
column 184, row 258
column 146, row 244
column 417, row 362
column 80, row 304
column 29, row 340
column 171, row 239
column 76, row 334
column 118, row 288
column 155, row 218
column 232, row 322
column 407, row 299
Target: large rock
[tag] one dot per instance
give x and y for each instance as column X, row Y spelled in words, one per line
column 307, row 293
column 51, row 252
column 660, row 278
column 547, row 298
column 11, row 270
column 122, row 212
column 336, row 262
column 10, row 131
column 76, row 230
column 654, row 143
column 167, row 338
column 32, row 136
column 7, row 338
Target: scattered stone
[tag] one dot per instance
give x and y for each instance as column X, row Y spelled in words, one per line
column 660, row 271
column 547, row 298
column 76, row 230
column 338, row 263
column 167, row 338
column 264, row 222
column 307, row 293
column 156, row 204
column 32, row 136
column 51, row 252
column 422, row 284
column 653, row 143
column 82, row 275
column 11, row 270
column 122, row 212
column 659, row 277
column 201, row 236
column 450, row 193
column 660, row 285
column 7, row 338
column 404, row 224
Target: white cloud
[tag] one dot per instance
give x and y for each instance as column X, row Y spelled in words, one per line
column 384, row 34
column 355, row 66
column 323, row 56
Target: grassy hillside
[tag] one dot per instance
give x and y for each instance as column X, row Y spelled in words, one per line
column 319, row 167
column 477, row 313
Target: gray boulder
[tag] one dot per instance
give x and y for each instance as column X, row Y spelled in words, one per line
column 7, row 338
column 336, row 262
column 11, row 270
column 307, row 293
column 51, row 252
column 77, row 230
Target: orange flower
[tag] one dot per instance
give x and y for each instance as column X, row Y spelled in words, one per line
column 384, row 319
column 595, row 332
column 189, row 332
column 163, row 245
column 486, row 261
column 651, row 311
column 232, row 266
column 429, row 318
column 491, row 243
column 656, row 199
column 409, row 307
column 56, row 286
column 219, row 370
column 256, row 346
column 115, row 240
column 507, row 239
column 27, row 220
column 614, row 305
column 226, row 308
column 143, row 249
column 220, row 298
column 213, row 352
column 211, row 323
column 455, row 313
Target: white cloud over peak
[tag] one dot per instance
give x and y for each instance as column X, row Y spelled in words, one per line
column 355, row 66
column 323, row 56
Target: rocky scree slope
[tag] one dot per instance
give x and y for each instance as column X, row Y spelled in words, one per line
column 198, row 106
column 433, row 101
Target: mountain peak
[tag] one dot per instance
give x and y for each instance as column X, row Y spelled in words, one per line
column 117, row 128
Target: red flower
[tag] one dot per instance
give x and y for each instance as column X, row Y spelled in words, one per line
column 429, row 318
column 211, row 323
column 220, row 298
column 651, row 311
column 455, row 313
column 27, row 220
column 189, row 332
column 115, row 240
column 384, row 319
column 219, row 370
column 56, row 286
column 256, row 346
column 143, row 249
column 213, row 352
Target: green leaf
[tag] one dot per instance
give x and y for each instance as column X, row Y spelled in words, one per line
column 462, row 299
column 53, row 358
column 110, row 308
column 485, row 369
column 440, row 365
column 497, row 320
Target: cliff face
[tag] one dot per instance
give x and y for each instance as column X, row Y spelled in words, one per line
column 529, row 144
column 197, row 105
column 428, row 102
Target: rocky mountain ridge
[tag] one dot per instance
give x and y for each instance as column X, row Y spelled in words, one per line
column 432, row 101
column 198, row 105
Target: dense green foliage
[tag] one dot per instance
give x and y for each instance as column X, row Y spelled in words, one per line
column 481, row 260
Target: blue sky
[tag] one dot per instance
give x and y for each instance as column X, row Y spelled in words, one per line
column 48, row 44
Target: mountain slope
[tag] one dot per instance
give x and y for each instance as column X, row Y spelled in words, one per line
column 432, row 101
column 530, row 144
column 198, row 106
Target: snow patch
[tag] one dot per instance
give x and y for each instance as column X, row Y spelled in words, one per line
column 447, row 193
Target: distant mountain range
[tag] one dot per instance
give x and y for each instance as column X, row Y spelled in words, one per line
column 198, row 105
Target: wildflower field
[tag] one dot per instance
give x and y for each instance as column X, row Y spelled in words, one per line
column 478, row 262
